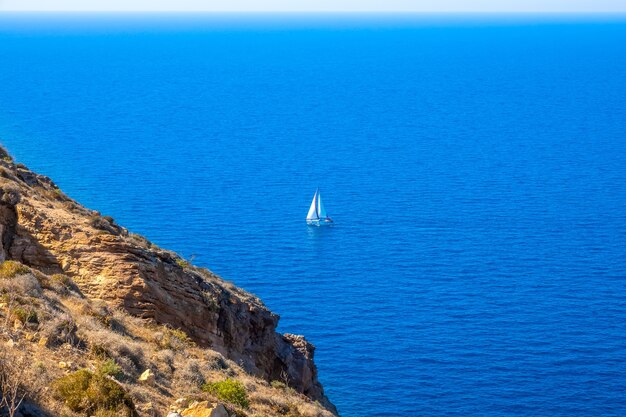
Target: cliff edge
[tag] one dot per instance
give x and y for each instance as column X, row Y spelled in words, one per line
column 46, row 231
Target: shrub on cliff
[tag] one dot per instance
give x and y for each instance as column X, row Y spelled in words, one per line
column 91, row 393
column 104, row 344
column 26, row 315
column 183, row 263
column 10, row 269
column 60, row 330
column 19, row 286
column 61, row 284
column 173, row 339
column 110, row 368
column 4, row 155
column 189, row 376
column 278, row 385
column 229, row 390
column 105, row 223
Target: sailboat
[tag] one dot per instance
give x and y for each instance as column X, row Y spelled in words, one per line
column 317, row 213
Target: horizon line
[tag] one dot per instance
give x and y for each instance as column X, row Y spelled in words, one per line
column 330, row 12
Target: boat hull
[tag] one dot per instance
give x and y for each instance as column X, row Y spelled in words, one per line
column 320, row 222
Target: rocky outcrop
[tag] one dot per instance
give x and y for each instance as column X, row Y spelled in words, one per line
column 204, row 409
column 48, row 231
column 9, row 197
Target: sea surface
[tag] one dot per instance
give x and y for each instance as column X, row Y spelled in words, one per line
column 475, row 167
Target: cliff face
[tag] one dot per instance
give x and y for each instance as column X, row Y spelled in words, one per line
column 45, row 230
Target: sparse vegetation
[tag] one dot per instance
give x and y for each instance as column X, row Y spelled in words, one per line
column 105, row 224
column 81, row 348
column 4, row 155
column 61, row 283
column 229, row 390
column 173, row 339
column 88, row 393
column 140, row 241
column 190, row 376
column 183, row 263
column 110, row 368
column 12, row 389
column 59, row 194
column 26, row 315
column 104, row 344
column 278, row 385
column 60, row 330
column 61, row 279
column 10, row 269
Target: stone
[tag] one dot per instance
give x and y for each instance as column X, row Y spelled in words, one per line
column 173, row 414
column 219, row 411
column 181, row 402
column 205, row 409
column 147, row 377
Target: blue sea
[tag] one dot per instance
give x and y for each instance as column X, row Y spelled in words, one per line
column 475, row 167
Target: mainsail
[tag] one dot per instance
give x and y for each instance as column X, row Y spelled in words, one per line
column 313, row 211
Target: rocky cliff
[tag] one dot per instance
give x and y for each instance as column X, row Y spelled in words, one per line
column 45, row 230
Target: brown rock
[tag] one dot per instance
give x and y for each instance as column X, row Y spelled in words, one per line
column 147, row 377
column 205, row 409
column 219, row 411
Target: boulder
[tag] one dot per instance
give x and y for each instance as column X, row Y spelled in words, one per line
column 219, row 411
column 147, row 377
column 205, row 409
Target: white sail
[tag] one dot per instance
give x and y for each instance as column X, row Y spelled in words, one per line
column 321, row 211
column 317, row 213
column 313, row 214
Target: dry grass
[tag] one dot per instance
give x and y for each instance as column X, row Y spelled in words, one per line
column 76, row 336
column 10, row 269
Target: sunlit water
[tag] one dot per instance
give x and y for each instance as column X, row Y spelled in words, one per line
column 475, row 169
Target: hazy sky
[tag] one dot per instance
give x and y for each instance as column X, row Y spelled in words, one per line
column 320, row 5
